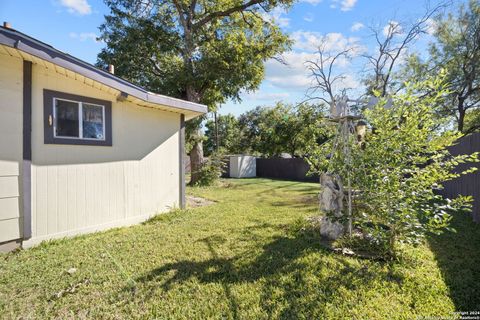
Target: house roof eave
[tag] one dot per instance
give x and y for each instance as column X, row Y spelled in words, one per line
column 27, row 44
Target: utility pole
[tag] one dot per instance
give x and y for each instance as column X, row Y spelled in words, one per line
column 216, row 129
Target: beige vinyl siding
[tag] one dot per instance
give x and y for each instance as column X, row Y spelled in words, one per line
column 77, row 189
column 11, row 137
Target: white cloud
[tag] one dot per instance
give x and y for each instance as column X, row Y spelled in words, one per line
column 333, row 42
column 308, row 17
column 293, row 76
column 357, row 26
column 312, row 2
column 345, row 5
column 266, row 96
column 84, row 36
column 348, row 81
column 77, row 6
column 277, row 16
column 392, row 27
column 431, row 26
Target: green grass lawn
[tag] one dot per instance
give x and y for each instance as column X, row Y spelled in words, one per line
column 239, row 258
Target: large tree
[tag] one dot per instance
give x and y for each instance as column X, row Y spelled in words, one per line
column 393, row 42
column 283, row 128
column 204, row 51
column 457, row 49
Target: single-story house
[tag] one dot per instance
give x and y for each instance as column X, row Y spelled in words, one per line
column 81, row 150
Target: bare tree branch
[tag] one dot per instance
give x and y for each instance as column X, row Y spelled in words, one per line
column 322, row 72
column 225, row 13
column 396, row 40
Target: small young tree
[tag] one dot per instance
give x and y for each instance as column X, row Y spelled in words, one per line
column 397, row 171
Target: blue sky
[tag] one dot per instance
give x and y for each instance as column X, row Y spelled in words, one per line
column 72, row 26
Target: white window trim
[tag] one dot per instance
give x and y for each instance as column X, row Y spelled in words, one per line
column 80, row 120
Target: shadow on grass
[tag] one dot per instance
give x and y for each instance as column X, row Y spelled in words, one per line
column 280, row 269
column 301, row 201
column 458, row 256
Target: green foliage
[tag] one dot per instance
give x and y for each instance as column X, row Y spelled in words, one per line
column 202, row 51
column 228, row 135
column 270, row 131
column 456, row 49
column 199, row 51
column 211, row 170
column 472, row 121
column 404, row 160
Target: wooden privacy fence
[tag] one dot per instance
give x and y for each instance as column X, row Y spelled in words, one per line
column 466, row 184
column 295, row 169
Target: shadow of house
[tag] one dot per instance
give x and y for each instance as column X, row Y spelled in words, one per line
column 458, row 256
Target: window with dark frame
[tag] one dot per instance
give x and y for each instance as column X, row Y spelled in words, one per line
column 78, row 120
column 73, row 119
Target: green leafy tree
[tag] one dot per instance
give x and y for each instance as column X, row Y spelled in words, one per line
column 392, row 42
column 271, row 131
column 395, row 173
column 226, row 131
column 199, row 50
column 457, row 50
column 472, row 121
column 250, row 124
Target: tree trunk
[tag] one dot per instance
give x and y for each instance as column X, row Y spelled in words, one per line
column 461, row 115
column 196, row 161
column 196, row 154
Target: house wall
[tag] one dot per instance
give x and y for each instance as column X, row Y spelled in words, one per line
column 11, row 156
column 78, row 189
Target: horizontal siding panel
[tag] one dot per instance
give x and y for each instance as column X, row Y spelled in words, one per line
column 9, row 208
column 11, row 139
column 9, row 168
column 10, row 229
column 9, row 187
column 41, row 203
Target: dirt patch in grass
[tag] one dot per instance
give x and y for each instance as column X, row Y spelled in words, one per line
column 196, row 202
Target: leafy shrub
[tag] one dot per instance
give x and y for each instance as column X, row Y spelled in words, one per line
column 210, row 171
column 397, row 171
